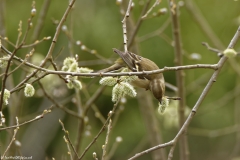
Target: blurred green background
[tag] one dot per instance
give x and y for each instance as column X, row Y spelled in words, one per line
column 214, row 132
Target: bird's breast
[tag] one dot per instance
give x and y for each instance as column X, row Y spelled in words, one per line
column 157, row 86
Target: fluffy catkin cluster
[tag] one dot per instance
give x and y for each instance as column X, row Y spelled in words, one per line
column 29, row 90
column 4, row 61
column 71, row 65
column 162, row 106
column 6, row 96
column 121, row 85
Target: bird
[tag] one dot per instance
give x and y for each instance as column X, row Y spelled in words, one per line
column 154, row 82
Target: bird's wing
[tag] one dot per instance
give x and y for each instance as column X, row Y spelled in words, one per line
column 129, row 58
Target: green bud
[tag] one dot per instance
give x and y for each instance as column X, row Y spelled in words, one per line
column 230, row 53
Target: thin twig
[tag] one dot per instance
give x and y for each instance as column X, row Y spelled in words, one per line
column 17, row 67
column 156, row 32
column 19, row 32
column 31, row 82
column 220, row 54
column 68, row 138
column 124, row 26
column 150, row 9
column 109, row 128
column 202, row 23
column 50, row 51
column 171, row 86
column 12, row 140
column 36, row 42
column 114, row 148
column 68, row 147
column 214, row 133
column 91, row 100
column 99, row 133
column 81, row 125
column 29, row 121
column 5, row 77
column 152, row 149
column 21, row 60
column 41, row 19
column 11, row 57
column 55, row 68
column 72, row 113
column 227, row 98
column 83, row 47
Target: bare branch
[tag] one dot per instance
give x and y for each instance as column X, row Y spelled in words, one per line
column 109, row 128
column 12, row 140
column 152, row 149
column 29, row 121
column 219, row 53
column 153, row 6
column 40, row 21
column 186, row 67
column 68, row 138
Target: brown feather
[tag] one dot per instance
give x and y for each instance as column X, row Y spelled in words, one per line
column 154, row 82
